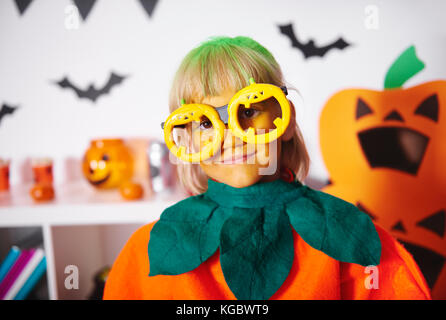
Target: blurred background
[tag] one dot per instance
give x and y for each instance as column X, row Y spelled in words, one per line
column 80, row 77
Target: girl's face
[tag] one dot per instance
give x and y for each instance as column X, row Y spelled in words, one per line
column 240, row 164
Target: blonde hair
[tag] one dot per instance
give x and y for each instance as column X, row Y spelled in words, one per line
column 216, row 65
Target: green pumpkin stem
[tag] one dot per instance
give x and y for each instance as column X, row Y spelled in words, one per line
column 403, row 68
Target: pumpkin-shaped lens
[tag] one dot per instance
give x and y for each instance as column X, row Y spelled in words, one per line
column 259, row 113
column 194, row 132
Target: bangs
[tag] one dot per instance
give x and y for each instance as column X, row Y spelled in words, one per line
column 219, row 65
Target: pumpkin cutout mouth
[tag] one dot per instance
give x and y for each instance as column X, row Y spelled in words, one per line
column 397, row 148
column 430, row 262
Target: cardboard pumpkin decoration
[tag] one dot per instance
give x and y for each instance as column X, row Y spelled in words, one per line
column 386, row 153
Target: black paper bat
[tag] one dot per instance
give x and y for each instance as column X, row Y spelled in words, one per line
column 92, row 93
column 6, row 110
column 22, row 5
column 84, row 7
column 309, row 49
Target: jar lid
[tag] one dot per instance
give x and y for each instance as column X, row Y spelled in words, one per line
column 101, row 143
column 41, row 162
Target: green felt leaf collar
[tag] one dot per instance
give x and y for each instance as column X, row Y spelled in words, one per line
column 251, row 226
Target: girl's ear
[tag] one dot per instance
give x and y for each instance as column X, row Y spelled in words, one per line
column 288, row 134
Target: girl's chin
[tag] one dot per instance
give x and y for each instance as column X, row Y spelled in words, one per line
column 239, row 184
column 237, row 176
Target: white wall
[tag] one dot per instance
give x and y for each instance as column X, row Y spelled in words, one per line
column 37, row 49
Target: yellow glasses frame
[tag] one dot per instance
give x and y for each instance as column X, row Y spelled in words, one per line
column 254, row 93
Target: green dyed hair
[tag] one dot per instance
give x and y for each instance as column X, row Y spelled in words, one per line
column 223, row 63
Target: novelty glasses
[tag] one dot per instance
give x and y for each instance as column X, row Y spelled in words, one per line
column 195, row 132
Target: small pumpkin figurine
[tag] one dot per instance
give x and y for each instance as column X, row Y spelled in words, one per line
column 41, row 192
column 108, row 164
column 391, row 163
column 130, row 190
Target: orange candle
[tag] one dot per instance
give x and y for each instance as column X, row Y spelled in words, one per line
column 4, row 175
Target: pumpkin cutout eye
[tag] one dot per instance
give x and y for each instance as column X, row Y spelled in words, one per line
column 434, row 223
column 399, row 226
column 429, row 108
column 362, row 109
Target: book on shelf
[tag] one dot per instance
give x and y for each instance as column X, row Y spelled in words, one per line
column 9, row 261
column 32, row 280
column 23, row 273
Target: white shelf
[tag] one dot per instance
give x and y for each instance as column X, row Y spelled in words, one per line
column 79, row 204
column 146, row 211
column 79, row 207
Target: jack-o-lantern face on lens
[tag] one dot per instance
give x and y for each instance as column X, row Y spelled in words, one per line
column 107, row 163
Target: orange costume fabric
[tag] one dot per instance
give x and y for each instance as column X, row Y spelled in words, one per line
column 314, row 275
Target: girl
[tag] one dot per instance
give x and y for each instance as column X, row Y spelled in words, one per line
column 251, row 230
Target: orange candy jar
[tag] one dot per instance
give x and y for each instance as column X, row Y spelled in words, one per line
column 42, row 170
column 4, row 175
column 107, row 163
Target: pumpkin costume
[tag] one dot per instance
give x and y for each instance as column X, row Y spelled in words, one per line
column 271, row 240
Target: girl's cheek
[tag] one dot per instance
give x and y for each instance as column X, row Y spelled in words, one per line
column 199, row 141
column 196, row 143
column 262, row 122
column 267, row 154
column 262, row 154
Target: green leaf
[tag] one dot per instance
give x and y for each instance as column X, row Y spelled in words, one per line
column 336, row 227
column 256, row 251
column 186, row 235
column 403, row 68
